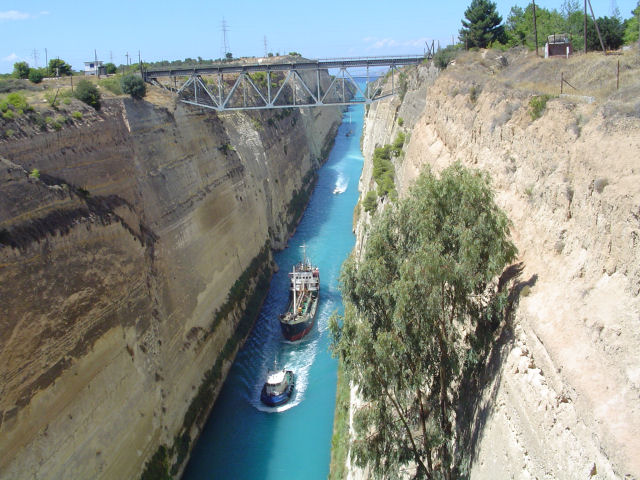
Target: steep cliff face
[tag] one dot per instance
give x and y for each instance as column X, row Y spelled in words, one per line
column 116, row 264
column 560, row 399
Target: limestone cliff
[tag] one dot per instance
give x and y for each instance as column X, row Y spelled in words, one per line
column 117, row 318
column 559, row 398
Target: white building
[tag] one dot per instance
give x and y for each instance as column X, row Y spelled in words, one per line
column 94, row 68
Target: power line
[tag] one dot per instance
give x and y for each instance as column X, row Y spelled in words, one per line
column 35, row 58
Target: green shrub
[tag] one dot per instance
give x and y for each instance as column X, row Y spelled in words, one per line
column 9, row 133
column 77, row 115
column 444, row 56
column 537, row 104
column 400, row 121
column 396, row 147
column 474, row 93
column 88, row 93
column 18, row 101
column 134, row 86
column 112, row 84
column 370, row 202
column 110, row 68
column 35, row 76
column 383, row 171
column 402, row 85
column 35, row 173
column 59, row 67
column 8, row 115
column 21, row 70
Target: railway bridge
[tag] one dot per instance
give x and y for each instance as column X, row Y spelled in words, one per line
column 277, row 84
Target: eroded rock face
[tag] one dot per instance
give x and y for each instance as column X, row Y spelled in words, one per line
column 113, row 263
column 564, row 400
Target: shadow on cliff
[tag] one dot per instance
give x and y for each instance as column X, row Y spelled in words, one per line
column 481, row 381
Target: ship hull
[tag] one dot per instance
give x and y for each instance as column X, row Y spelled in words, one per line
column 297, row 330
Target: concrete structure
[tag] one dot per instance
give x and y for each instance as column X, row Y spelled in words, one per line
column 94, row 67
column 558, row 44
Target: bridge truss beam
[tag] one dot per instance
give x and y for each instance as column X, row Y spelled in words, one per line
column 259, row 87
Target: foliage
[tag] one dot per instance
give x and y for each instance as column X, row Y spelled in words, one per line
column 53, row 98
column 383, row 171
column 428, row 260
column 228, row 56
column 21, row 70
column 35, row 75
column 134, row 86
column 112, row 84
column 370, row 202
column 400, row 121
column 295, row 54
column 77, row 115
column 537, row 105
column 17, row 101
column 35, row 173
column 396, row 146
column 444, row 56
column 483, row 24
column 157, row 468
column 631, row 26
column 340, row 438
column 110, row 68
column 474, row 93
column 59, row 67
column 9, row 84
column 520, row 28
column 88, row 93
column 611, row 30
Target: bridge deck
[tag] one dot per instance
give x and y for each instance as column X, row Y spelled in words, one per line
column 288, row 66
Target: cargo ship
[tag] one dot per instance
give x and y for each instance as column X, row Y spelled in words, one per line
column 303, row 300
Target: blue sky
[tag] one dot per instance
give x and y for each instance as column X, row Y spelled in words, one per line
column 160, row 30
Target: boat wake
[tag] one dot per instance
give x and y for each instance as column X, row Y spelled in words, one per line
column 296, row 356
column 341, row 185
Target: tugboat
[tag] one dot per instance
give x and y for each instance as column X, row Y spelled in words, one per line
column 278, row 388
column 303, row 300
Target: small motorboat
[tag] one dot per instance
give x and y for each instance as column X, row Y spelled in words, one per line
column 278, row 388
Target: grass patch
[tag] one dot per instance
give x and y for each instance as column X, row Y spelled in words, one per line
column 77, row 115
column 112, row 84
column 537, row 105
column 340, row 438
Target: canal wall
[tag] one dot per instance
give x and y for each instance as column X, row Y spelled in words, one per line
column 135, row 250
column 560, row 399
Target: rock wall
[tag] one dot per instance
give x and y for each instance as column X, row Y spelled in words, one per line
column 113, row 263
column 561, row 398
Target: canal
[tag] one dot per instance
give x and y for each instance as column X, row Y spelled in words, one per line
column 242, row 438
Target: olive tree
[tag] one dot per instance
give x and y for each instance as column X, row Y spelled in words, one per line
column 427, row 263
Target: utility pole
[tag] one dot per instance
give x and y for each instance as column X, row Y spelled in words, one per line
column 127, row 55
column 265, row 45
column 535, row 26
column 110, row 56
column 46, row 57
column 95, row 60
column 140, row 63
column 585, row 26
column 35, row 57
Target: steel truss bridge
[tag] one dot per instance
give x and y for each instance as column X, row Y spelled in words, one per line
column 261, row 86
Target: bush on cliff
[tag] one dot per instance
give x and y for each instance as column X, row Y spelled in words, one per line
column 88, row 93
column 419, row 288
column 134, row 86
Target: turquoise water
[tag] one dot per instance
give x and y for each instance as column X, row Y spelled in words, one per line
column 242, row 438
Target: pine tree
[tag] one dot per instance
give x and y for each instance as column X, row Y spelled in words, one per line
column 483, row 24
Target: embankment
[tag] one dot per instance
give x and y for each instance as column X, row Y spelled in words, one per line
column 131, row 264
column 560, row 397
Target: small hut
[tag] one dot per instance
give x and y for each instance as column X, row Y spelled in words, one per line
column 558, row 45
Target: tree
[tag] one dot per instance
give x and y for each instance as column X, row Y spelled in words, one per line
column 88, row 93
column 483, row 25
column 631, row 31
column 228, row 56
column 134, row 86
column 110, row 68
column 611, row 30
column 428, row 260
column 59, row 67
column 520, row 29
column 21, row 70
column 35, row 75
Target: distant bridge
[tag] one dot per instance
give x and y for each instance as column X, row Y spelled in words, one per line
column 264, row 85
